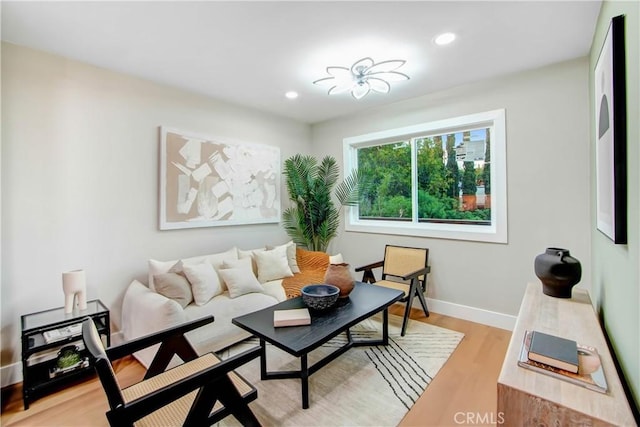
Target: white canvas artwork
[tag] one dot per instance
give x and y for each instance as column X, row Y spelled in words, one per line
column 208, row 182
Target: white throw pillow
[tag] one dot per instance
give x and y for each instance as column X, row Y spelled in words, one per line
column 291, row 255
column 217, row 259
column 161, row 267
column 205, row 283
column 250, row 254
column 240, row 281
column 238, row 263
column 273, row 265
column 336, row 259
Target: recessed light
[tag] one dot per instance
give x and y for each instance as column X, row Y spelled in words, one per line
column 291, row 95
column 444, row 38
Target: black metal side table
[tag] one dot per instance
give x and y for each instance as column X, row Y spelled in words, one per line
column 40, row 355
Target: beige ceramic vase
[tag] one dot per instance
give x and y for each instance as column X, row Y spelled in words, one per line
column 340, row 276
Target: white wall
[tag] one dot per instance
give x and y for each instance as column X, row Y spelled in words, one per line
column 547, row 120
column 80, row 179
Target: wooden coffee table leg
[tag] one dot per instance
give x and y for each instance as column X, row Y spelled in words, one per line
column 304, row 379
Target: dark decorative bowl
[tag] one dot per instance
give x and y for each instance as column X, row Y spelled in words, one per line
column 320, row 297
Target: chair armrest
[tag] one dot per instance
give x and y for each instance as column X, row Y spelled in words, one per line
column 370, row 266
column 130, row 347
column 153, row 401
column 419, row 272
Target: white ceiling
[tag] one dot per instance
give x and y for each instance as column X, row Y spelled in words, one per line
column 251, row 53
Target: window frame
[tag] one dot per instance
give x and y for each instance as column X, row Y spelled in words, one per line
column 497, row 232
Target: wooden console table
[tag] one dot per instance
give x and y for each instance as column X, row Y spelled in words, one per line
column 527, row 398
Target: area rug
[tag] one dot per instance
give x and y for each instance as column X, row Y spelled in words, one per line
column 366, row 386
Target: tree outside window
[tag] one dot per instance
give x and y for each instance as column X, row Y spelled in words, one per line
column 443, row 192
column 444, row 179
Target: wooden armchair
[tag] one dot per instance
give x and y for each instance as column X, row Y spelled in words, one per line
column 202, row 391
column 404, row 269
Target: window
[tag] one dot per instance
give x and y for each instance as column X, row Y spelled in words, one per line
column 444, row 179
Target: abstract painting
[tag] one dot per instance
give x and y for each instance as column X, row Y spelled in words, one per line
column 611, row 135
column 208, row 181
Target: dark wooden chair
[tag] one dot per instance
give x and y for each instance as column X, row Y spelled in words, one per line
column 201, row 391
column 405, row 269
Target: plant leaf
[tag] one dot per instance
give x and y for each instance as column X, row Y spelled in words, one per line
column 349, row 191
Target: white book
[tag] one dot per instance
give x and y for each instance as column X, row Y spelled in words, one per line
column 293, row 317
column 62, row 333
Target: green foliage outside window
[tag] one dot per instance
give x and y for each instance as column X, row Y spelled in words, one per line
column 440, row 182
column 486, row 172
column 469, row 186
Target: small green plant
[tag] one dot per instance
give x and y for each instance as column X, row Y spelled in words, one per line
column 68, row 357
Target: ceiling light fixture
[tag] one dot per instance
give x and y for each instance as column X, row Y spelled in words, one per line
column 444, row 38
column 291, row 95
column 363, row 76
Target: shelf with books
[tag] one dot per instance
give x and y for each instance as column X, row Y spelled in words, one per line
column 45, row 335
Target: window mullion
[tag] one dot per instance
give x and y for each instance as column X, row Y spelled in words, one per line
column 414, row 180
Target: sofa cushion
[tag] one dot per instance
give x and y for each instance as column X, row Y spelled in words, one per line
column 240, row 281
column 145, row 311
column 174, row 286
column 205, row 283
column 273, row 265
column 222, row 333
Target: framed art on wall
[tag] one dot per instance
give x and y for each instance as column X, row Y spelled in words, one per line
column 611, row 135
column 207, row 182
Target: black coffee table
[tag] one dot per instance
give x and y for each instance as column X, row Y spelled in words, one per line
column 364, row 301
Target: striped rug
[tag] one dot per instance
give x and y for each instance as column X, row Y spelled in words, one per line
column 366, row 386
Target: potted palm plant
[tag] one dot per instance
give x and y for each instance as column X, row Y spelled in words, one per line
column 312, row 220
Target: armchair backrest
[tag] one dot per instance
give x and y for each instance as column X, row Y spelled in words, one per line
column 401, row 260
column 101, row 362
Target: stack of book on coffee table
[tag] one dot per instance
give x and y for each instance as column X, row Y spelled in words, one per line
column 291, row 317
column 564, row 359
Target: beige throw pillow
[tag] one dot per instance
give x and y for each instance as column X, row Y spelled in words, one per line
column 174, row 286
column 240, row 281
column 273, row 265
column 205, row 283
column 160, row 267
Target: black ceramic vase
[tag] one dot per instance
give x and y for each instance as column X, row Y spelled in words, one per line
column 558, row 271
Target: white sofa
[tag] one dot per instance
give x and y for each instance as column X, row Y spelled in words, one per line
column 145, row 311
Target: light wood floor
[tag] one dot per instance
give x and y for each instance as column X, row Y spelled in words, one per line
column 465, row 385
